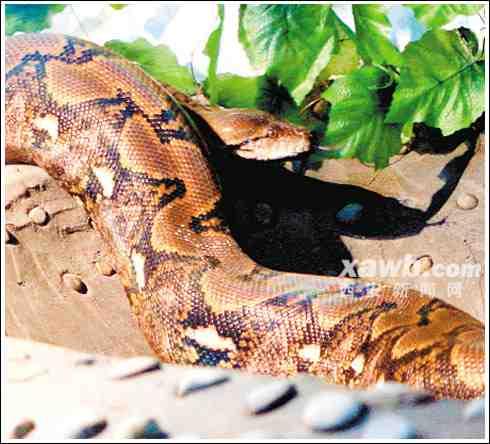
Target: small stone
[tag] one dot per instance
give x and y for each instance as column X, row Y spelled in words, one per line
column 474, row 409
column 105, row 268
column 389, row 426
column 38, row 215
column 350, row 213
column 82, row 426
column 200, row 379
column 85, row 361
column 139, row 428
column 263, row 213
column 332, row 411
column 270, row 396
column 73, row 282
column 392, row 394
column 136, row 366
column 23, row 428
column 421, row 265
column 467, row 201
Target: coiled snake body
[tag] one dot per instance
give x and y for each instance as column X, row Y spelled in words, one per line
column 119, row 140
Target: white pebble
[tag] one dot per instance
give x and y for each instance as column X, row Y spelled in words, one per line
column 134, row 367
column 270, row 396
column 332, row 411
column 200, row 379
column 467, row 201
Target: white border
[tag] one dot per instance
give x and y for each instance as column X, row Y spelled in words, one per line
column 487, row 238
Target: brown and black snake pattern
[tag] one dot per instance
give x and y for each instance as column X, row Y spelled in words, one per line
column 115, row 137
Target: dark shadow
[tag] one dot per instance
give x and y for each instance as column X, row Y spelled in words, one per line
column 451, row 175
column 291, row 222
column 430, row 140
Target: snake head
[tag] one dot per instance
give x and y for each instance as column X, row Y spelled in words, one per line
column 255, row 134
column 251, row 133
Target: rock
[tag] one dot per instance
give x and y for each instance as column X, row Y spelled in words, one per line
column 467, row 201
column 350, row 213
column 22, row 429
column 84, row 425
column 136, row 366
column 86, row 361
column 421, row 265
column 80, row 399
column 389, row 426
column 263, row 213
column 270, row 396
column 38, row 215
column 139, row 428
column 200, row 379
column 332, row 411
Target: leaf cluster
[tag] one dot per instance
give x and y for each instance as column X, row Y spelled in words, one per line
column 369, row 93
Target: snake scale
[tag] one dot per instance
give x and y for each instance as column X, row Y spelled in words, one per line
column 110, row 134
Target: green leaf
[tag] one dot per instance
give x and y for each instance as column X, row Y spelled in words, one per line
column 441, row 83
column 291, row 43
column 233, row 91
column 372, row 35
column 342, row 30
column 434, row 16
column 471, row 40
column 356, row 121
column 407, row 133
column 29, row 18
column 345, row 57
column 212, row 51
column 343, row 62
column 158, row 61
